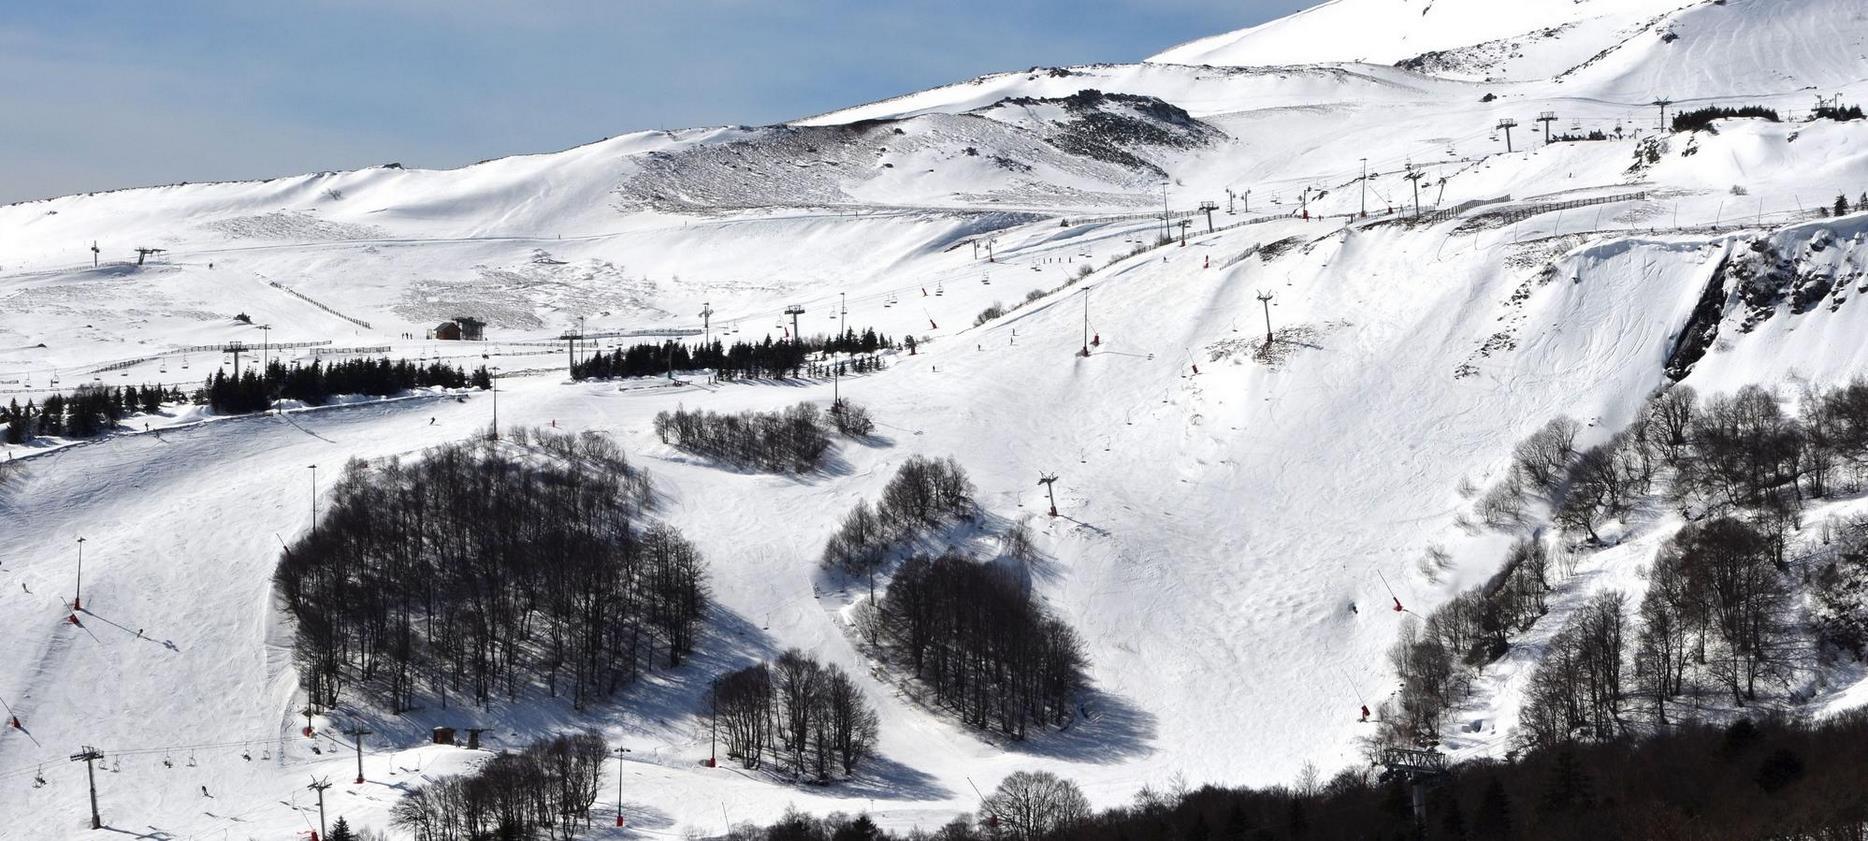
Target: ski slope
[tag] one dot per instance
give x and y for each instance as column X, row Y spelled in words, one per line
column 1223, row 537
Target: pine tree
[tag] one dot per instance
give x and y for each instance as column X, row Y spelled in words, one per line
column 340, row 831
column 1842, row 204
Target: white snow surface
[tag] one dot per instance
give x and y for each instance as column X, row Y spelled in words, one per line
column 1216, row 528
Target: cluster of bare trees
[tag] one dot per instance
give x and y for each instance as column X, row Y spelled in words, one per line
column 1741, row 450
column 1840, row 581
column 793, row 440
column 488, row 566
column 923, row 494
column 1437, row 660
column 545, row 790
column 1715, row 613
column 808, row 718
column 1578, row 687
column 980, row 643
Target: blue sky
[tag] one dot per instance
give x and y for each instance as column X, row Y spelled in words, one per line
column 101, row 94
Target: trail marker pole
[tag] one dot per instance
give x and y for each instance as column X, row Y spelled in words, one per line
column 1365, row 188
column 77, row 596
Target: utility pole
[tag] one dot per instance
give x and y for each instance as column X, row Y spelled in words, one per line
column 319, row 786
column 794, row 311
column 314, row 499
column 1415, row 175
column 1165, row 230
column 77, row 597
column 1208, row 207
column 1365, row 188
column 1265, row 298
column 1547, row 118
column 358, row 733
column 1086, row 322
column 1507, row 124
column 1663, row 103
column 706, row 320
column 1049, row 480
column 494, row 380
column 87, row 755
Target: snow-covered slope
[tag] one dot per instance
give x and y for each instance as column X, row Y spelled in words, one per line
column 1389, row 31
column 1224, row 534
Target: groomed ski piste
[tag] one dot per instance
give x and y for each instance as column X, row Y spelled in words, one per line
column 1223, row 535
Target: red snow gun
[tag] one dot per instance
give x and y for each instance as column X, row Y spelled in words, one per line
column 1398, row 607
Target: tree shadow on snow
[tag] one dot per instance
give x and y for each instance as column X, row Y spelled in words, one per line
column 1116, row 730
column 882, row 778
column 660, row 702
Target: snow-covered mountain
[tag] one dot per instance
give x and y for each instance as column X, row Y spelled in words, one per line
column 1228, row 537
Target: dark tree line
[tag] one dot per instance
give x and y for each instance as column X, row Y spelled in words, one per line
column 88, row 412
column 486, row 567
column 809, row 719
column 1700, row 119
column 769, row 358
column 792, row 440
column 544, row 791
column 980, row 643
column 317, row 383
column 1751, row 781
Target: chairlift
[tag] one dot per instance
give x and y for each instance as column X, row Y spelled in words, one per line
column 168, row 761
column 162, row 368
column 191, row 760
column 940, row 289
column 985, row 279
column 265, row 753
column 116, row 764
column 38, row 777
